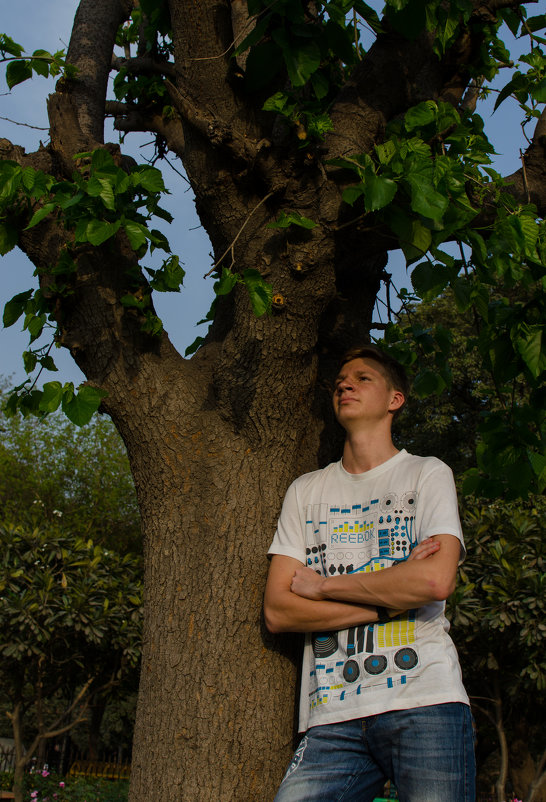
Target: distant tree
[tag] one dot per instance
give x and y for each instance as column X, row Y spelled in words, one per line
column 499, row 611
column 70, row 624
column 444, row 424
column 499, row 607
column 77, row 476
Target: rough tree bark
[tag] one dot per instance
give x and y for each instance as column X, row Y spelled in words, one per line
column 214, row 441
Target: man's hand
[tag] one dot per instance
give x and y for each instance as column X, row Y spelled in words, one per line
column 308, row 583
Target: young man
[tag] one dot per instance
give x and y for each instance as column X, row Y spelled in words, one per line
column 364, row 556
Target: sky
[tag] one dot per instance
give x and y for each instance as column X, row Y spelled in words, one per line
column 23, row 120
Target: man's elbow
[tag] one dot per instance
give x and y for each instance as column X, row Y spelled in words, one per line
column 275, row 622
column 441, row 588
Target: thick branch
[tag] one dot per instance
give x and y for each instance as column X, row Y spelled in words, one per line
column 129, row 119
column 143, row 65
column 214, row 129
column 76, row 110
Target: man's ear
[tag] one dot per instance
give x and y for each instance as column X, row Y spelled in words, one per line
column 397, row 401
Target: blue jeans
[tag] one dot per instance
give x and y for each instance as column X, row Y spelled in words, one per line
column 428, row 752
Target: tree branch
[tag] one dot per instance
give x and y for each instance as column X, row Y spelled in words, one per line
column 215, row 130
column 76, row 110
column 143, row 65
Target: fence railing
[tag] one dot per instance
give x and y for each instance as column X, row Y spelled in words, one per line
column 98, row 768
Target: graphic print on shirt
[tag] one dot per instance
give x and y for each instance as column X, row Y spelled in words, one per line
column 362, row 538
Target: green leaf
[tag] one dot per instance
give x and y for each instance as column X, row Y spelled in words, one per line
column 81, row 407
column 136, row 233
column 9, row 237
column 538, row 91
column 7, row 45
column 301, row 59
column 352, row 193
column 530, row 347
column 107, row 193
column 191, row 349
column 40, row 62
column 538, row 464
column 517, row 83
column 287, row 219
column 52, row 395
column 280, row 102
column 425, row 199
column 421, row 115
column 254, row 36
column 150, row 178
column 320, row 84
column 536, row 23
column 430, row 280
column 98, row 231
column 385, row 151
column 170, row 277
column 259, row 290
column 17, row 72
column 29, row 361
column 462, row 292
column 226, row 282
column 428, row 382
column 35, row 325
column 40, row 214
column 264, row 62
column 15, row 308
column 378, row 191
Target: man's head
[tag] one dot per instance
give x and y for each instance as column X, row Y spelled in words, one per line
column 393, row 372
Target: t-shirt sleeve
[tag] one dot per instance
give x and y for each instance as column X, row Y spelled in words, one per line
column 438, row 511
column 289, row 539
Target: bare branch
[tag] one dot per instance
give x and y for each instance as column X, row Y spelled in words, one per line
column 231, row 246
column 26, row 125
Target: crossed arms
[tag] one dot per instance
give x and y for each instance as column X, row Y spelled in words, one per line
column 297, row 599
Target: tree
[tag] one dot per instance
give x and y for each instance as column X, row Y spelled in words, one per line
column 497, row 609
column 310, row 159
column 70, row 615
column 498, row 612
column 77, row 476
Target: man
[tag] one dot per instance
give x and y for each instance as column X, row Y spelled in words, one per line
column 364, row 556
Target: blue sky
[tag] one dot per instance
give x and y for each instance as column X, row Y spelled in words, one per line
column 37, row 24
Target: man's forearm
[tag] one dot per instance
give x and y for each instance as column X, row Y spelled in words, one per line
column 427, row 577
column 405, row 586
column 292, row 613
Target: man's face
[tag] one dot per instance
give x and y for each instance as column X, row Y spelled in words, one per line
column 362, row 393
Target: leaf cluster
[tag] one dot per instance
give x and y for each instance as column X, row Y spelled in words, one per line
column 101, row 200
column 418, row 184
column 41, row 62
column 498, row 608
column 259, row 291
column 65, row 604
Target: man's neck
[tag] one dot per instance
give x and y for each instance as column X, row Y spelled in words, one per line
column 367, row 450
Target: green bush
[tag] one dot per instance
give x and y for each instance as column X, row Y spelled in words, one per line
column 46, row 787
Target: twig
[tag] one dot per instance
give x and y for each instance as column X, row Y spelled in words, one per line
column 232, row 244
column 234, row 42
column 524, row 172
column 26, row 125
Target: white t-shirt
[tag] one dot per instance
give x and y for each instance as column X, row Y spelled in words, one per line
column 337, row 522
